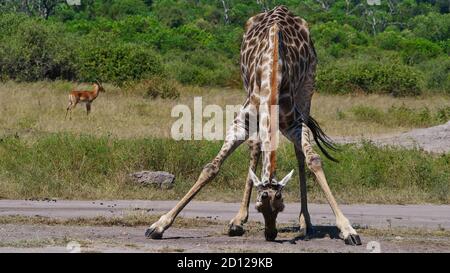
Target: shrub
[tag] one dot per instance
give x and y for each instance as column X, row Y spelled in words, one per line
column 433, row 26
column 158, row 87
column 37, row 51
column 118, row 63
column 337, row 37
column 204, row 68
column 369, row 77
column 418, row 50
column 437, row 74
column 389, row 40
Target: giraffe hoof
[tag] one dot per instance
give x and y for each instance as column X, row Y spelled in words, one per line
column 236, row 230
column 153, row 234
column 271, row 235
column 353, row 239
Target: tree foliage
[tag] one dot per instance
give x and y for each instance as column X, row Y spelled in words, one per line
column 198, row 41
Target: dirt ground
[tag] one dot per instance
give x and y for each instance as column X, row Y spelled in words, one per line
column 434, row 139
column 383, row 228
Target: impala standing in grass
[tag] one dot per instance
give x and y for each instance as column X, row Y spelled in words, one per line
column 84, row 96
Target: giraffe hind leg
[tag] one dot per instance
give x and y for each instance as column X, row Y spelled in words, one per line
column 314, row 163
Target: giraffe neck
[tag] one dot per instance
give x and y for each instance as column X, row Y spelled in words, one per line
column 273, row 101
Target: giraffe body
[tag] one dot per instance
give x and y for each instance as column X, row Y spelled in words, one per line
column 278, row 63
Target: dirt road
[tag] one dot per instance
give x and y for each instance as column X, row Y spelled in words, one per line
column 388, row 228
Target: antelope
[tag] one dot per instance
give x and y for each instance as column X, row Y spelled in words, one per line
column 83, row 96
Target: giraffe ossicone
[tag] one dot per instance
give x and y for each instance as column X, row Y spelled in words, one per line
column 257, row 182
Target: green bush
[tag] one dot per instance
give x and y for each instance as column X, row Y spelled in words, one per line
column 337, row 37
column 36, row 50
column 157, row 86
column 389, row 40
column 118, row 63
column 202, row 67
column 418, row 50
column 433, row 26
column 369, row 77
column 437, row 74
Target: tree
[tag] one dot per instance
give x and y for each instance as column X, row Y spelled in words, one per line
column 42, row 8
column 225, row 11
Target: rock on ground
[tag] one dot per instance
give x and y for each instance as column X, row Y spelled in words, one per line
column 160, row 179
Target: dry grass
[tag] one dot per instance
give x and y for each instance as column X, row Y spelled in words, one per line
column 33, row 108
column 327, row 109
column 29, row 109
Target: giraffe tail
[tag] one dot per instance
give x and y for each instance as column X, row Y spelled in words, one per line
column 323, row 141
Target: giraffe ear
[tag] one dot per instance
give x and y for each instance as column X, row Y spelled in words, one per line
column 254, row 178
column 286, row 179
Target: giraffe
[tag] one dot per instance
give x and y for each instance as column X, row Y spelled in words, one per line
column 278, row 62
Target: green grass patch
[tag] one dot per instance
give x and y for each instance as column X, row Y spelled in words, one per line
column 71, row 166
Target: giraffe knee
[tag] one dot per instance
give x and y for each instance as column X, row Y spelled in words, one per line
column 314, row 162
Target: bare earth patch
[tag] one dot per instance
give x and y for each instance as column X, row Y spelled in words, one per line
column 435, row 139
column 118, row 226
column 35, row 238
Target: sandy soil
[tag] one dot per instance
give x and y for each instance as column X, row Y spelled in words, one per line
column 31, row 238
column 434, row 139
column 392, row 228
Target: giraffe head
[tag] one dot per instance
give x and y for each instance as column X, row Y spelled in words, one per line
column 269, row 201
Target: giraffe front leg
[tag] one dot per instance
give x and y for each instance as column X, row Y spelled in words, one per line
column 156, row 230
column 236, row 135
column 236, row 226
column 294, row 134
column 315, row 165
